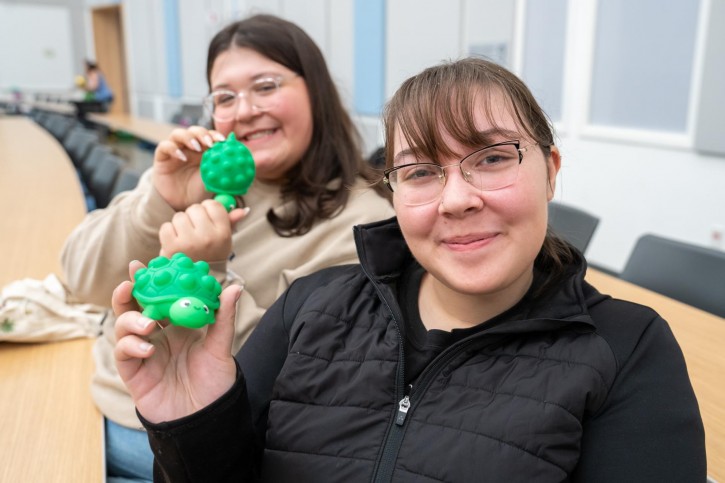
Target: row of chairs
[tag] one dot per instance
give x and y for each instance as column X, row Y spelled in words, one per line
column 683, row 271
column 103, row 174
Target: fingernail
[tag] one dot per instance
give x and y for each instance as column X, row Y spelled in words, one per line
column 246, row 210
column 239, row 295
column 218, row 136
column 180, row 155
column 144, row 322
column 208, row 141
column 145, row 346
column 195, row 144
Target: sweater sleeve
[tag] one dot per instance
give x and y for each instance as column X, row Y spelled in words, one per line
column 649, row 428
column 96, row 255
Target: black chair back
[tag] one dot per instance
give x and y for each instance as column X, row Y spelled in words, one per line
column 78, row 144
column 126, row 181
column 103, row 179
column 689, row 273
column 94, row 158
column 572, row 224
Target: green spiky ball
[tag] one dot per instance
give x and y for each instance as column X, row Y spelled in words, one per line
column 227, row 169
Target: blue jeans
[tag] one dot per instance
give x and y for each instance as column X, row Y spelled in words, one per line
column 128, row 455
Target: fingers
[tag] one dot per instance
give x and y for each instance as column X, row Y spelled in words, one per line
column 134, row 267
column 183, row 144
column 217, row 135
column 220, row 334
column 203, row 232
column 122, row 301
column 238, row 214
column 133, row 346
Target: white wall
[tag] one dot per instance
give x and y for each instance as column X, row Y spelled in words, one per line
column 36, row 50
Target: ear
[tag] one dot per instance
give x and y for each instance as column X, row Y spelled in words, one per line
column 553, row 164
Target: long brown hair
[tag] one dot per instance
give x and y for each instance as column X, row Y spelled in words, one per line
column 449, row 95
column 334, row 151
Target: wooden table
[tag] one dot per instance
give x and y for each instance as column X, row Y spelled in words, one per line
column 49, row 428
column 145, row 129
column 701, row 336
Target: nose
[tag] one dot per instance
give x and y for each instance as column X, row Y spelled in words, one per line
column 244, row 109
column 458, row 195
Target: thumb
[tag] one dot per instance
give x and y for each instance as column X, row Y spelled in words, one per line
column 238, row 214
column 220, row 335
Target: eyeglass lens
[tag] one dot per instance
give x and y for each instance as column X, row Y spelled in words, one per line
column 261, row 96
column 491, row 168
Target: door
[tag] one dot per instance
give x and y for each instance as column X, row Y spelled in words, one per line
column 111, row 54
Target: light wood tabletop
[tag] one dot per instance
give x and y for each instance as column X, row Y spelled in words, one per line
column 701, row 336
column 42, row 200
column 50, row 429
column 145, row 129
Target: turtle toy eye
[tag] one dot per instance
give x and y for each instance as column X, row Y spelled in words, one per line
column 206, row 309
column 185, row 303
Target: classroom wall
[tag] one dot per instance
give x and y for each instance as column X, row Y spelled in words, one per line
column 635, row 184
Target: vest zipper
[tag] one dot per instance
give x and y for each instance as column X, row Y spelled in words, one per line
column 384, row 466
column 403, row 407
column 394, row 438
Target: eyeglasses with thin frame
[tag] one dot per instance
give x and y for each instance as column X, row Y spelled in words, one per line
column 487, row 169
column 262, row 95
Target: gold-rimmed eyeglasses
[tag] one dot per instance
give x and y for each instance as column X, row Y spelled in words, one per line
column 489, row 168
column 262, row 95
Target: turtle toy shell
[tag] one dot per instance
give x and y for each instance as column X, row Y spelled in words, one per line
column 227, row 169
column 179, row 290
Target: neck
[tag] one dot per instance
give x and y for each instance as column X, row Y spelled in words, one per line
column 443, row 308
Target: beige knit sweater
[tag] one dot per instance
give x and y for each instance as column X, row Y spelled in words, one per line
column 96, row 256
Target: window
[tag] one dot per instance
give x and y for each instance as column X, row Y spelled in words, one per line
column 643, row 62
column 543, row 53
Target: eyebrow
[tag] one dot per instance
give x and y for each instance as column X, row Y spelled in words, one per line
column 491, row 136
column 402, row 154
column 254, row 79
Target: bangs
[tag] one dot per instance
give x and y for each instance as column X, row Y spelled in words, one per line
column 443, row 102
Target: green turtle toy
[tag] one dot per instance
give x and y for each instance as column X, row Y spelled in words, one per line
column 227, row 169
column 179, row 290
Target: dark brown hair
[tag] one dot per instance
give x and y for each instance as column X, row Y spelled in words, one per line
column 444, row 100
column 334, row 151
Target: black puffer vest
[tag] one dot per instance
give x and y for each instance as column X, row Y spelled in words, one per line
column 509, row 400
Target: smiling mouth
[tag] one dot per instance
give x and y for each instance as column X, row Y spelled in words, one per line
column 467, row 243
column 258, row 135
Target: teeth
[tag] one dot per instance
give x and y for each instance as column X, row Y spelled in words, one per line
column 259, row 134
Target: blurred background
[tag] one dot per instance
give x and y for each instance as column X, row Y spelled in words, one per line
column 634, row 87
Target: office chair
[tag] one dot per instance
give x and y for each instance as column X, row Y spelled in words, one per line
column 78, row 144
column 103, row 179
column 127, row 180
column 572, row 224
column 689, row 273
column 93, row 159
column 376, row 159
column 60, row 126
